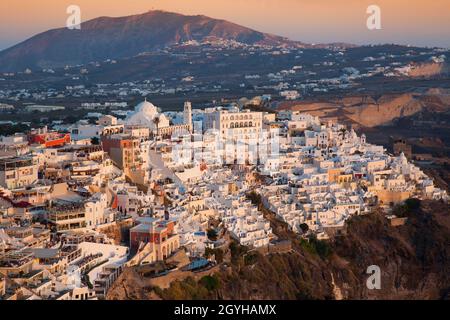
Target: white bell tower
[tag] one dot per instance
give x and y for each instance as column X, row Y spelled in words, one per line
column 187, row 114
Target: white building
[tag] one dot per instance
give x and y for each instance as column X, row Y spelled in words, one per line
column 147, row 115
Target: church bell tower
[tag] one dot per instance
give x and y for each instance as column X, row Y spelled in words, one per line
column 187, row 114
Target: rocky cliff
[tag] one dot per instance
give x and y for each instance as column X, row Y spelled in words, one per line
column 384, row 110
column 425, row 70
column 413, row 259
column 367, row 111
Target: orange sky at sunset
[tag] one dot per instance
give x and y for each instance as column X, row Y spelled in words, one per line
column 416, row 22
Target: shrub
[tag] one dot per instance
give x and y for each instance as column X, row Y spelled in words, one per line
column 254, row 198
column 219, row 255
column 403, row 210
column 211, row 283
column 412, row 204
column 212, row 234
column 251, row 258
column 208, row 252
column 237, row 251
column 304, row 227
column 315, row 246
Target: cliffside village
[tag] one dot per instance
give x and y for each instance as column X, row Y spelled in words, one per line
column 80, row 203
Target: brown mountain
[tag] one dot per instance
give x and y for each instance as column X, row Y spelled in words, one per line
column 114, row 38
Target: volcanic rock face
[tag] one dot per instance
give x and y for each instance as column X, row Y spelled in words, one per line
column 384, row 110
column 105, row 37
column 430, row 69
column 371, row 112
column 413, row 258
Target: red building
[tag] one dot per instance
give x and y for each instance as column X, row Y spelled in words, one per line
column 49, row 139
column 161, row 233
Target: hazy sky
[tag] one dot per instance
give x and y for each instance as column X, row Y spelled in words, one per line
column 415, row 22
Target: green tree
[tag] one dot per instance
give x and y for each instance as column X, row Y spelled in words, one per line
column 95, row 141
column 156, row 121
column 413, row 203
column 212, row 234
column 211, row 283
column 304, row 227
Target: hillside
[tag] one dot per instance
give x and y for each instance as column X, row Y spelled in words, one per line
column 384, row 110
column 368, row 111
column 428, row 70
column 414, row 262
column 112, row 38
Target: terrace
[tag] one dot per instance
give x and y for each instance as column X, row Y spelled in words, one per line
column 14, row 163
column 16, row 263
column 87, row 259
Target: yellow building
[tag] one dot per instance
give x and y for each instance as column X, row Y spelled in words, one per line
column 345, row 178
column 333, row 175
